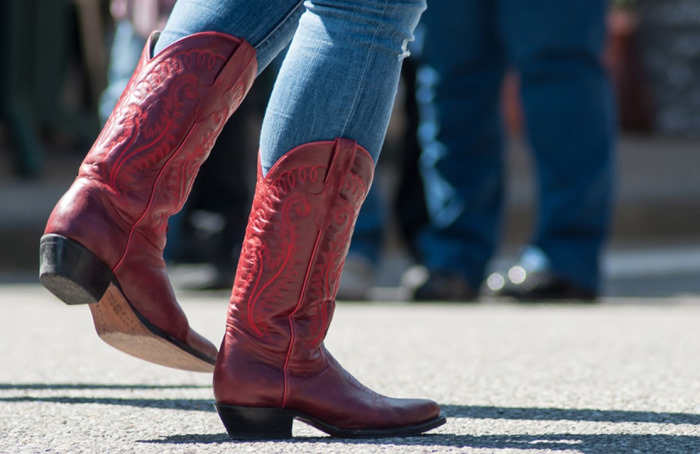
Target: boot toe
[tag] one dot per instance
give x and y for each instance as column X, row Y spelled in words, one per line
column 206, row 350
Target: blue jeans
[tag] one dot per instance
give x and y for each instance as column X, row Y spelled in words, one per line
column 570, row 123
column 340, row 75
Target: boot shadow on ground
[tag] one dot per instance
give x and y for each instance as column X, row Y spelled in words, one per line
column 585, row 443
column 86, row 386
column 164, row 403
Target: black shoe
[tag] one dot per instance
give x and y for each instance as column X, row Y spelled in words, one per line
column 442, row 286
column 532, row 279
column 538, row 286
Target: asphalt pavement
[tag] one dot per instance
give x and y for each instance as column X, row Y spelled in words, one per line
column 621, row 376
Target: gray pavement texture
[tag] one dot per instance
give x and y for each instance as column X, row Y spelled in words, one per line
column 622, row 376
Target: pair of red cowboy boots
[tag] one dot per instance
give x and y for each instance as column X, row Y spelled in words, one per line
column 103, row 246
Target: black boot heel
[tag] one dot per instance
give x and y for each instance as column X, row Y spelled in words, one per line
column 71, row 272
column 256, row 423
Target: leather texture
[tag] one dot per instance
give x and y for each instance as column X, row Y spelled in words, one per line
column 283, row 299
column 143, row 164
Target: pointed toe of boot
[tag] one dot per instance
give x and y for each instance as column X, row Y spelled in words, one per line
column 406, row 417
column 206, row 350
column 422, row 410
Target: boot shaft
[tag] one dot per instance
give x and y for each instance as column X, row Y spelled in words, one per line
column 272, row 364
column 283, row 298
column 299, row 230
column 143, row 164
column 105, row 237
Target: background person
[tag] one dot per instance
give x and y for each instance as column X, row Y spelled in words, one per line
column 567, row 100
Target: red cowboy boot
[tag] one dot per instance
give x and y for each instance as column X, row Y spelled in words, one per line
column 104, row 241
column 273, row 366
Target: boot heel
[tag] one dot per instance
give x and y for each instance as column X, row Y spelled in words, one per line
column 256, row 423
column 71, row 272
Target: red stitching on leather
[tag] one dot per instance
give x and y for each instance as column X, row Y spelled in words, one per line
column 254, row 299
column 146, row 210
column 292, row 337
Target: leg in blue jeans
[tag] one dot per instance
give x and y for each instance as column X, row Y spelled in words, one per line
column 352, row 41
column 321, row 136
column 461, row 135
column 570, row 122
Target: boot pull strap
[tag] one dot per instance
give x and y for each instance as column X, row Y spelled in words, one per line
column 341, row 160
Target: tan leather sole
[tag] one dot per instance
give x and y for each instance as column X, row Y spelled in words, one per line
column 118, row 325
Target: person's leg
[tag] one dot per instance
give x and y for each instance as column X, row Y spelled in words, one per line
column 461, row 135
column 267, row 25
column 570, row 122
column 366, row 59
column 322, row 132
column 104, row 240
column 355, row 99
column 359, row 108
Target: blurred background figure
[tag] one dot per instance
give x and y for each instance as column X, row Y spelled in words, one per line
column 50, row 78
column 133, row 22
column 567, row 100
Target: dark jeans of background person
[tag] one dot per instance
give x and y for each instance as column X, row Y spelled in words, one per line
column 567, row 100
